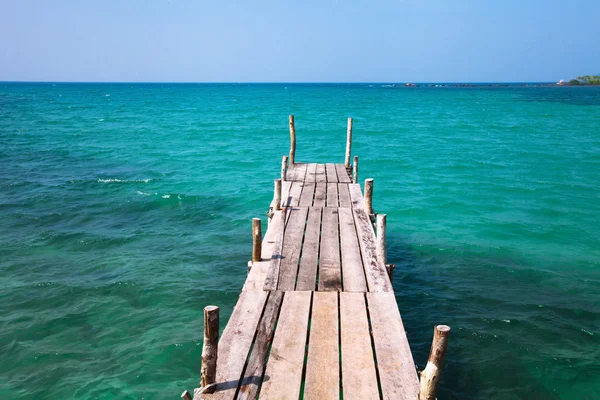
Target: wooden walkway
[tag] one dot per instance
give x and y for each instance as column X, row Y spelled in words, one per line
column 317, row 317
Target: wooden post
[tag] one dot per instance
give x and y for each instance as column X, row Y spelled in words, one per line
column 369, row 196
column 292, row 141
column 210, row 349
column 277, row 195
column 355, row 170
column 186, row 395
column 348, row 144
column 256, row 240
column 381, row 245
column 430, row 376
column 284, row 168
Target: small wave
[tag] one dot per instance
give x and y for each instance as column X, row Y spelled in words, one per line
column 143, row 193
column 116, row 180
column 588, row 332
column 166, row 196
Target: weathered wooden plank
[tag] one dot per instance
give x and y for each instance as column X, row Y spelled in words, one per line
column 397, row 372
column 377, row 277
column 356, row 197
column 311, row 173
column 344, row 195
column 359, row 379
column 272, row 277
column 235, row 343
column 332, row 195
column 322, row 366
column 292, row 199
column 320, row 174
column 259, row 271
column 353, row 272
column 284, row 370
column 256, row 363
column 342, row 174
column 285, row 193
column 297, row 172
column 330, row 271
column 292, row 246
column 331, row 173
column 320, row 194
column 308, row 193
column 307, row 273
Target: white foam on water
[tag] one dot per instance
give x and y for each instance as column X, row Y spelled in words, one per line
column 117, row 180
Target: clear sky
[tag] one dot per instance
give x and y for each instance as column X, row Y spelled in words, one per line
column 300, row 41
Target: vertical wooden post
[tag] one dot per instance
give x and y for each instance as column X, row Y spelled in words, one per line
column 186, row 395
column 208, row 373
column 277, row 195
column 355, row 170
column 284, row 161
column 381, row 245
column 256, row 240
column 369, row 196
column 292, row 141
column 430, row 377
column 348, row 144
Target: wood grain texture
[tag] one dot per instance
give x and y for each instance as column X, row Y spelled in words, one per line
column 272, row 277
column 359, row 379
column 397, row 372
column 308, row 193
column 283, row 375
column 332, row 195
column 342, row 173
column 271, row 246
column 320, row 194
column 320, row 174
column 293, row 195
column 331, row 173
column 375, row 272
column 352, row 266
column 344, row 195
column 307, row 273
column 330, row 272
column 257, row 361
column 322, row 367
column 297, row 172
column 311, row 173
column 356, row 197
column 292, row 246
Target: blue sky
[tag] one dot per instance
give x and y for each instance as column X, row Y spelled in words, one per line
column 301, row 41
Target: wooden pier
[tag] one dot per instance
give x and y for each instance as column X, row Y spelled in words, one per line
column 317, row 317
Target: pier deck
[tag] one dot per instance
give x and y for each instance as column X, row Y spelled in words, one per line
column 317, row 317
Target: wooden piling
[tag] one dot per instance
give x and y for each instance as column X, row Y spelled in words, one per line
column 430, row 376
column 348, row 144
column 381, row 244
column 369, row 196
column 256, row 240
column 292, row 141
column 210, row 349
column 284, row 161
column 186, row 395
column 277, row 195
column 355, row 170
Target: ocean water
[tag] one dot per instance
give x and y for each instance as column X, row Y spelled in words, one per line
column 126, row 208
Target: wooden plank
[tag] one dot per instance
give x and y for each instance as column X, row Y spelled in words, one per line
column 311, row 172
column 331, row 173
column 320, row 175
column 397, row 372
column 342, row 174
column 356, row 197
column 322, row 366
column 308, row 193
column 352, row 266
column 284, row 370
column 375, row 272
column 344, row 195
column 307, row 273
column 256, row 363
column 330, row 271
column 292, row 246
column 285, row 193
column 298, row 172
column 272, row 276
column 359, row 379
column 332, row 195
column 292, row 199
column 235, row 343
column 320, row 194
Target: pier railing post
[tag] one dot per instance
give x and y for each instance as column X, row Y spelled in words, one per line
column 292, row 141
column 256, row 240
column 186, row 395
column 369, row 196
column 277, row 195
column 348, row 144
column 284, row 161
column 430, row 377
column 355, row 170
column 208, row 373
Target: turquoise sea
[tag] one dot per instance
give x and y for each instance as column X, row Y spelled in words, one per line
column 126, row 208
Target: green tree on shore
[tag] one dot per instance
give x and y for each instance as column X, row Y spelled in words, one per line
column 587, row 80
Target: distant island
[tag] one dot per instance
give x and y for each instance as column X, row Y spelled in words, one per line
column 582, row 80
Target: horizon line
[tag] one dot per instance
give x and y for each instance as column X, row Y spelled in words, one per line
column 280, row 82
